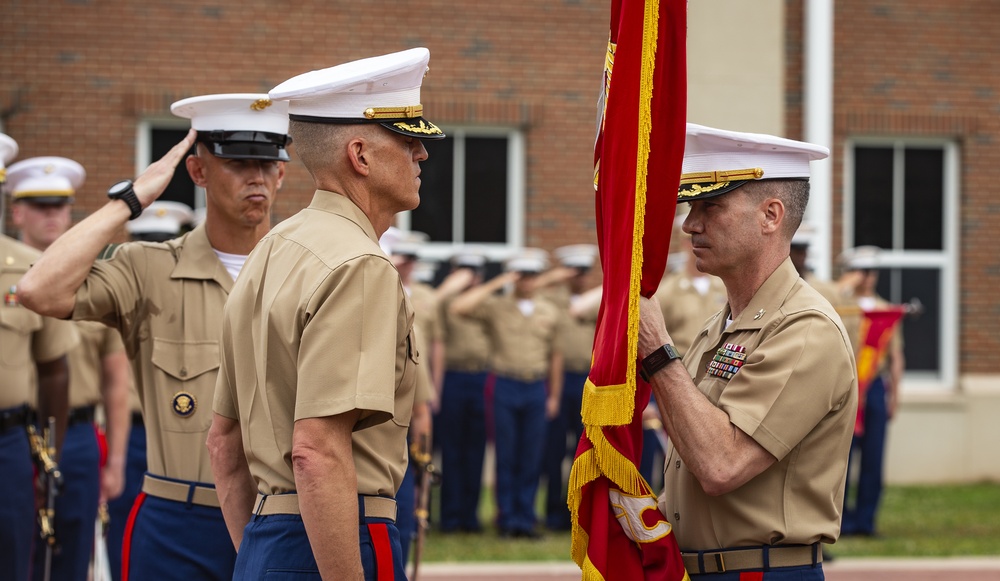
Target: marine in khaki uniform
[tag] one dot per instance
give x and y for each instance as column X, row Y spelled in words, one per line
column 166, row 300
column 461, row 421
column 576, row 343
column 319, row 356
column 42, row 191
column 32, row 361
column 760, row 413
column 524, row 334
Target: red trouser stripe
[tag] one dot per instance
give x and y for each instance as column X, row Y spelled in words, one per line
column 752, row 576
column 127, row 541
column 383, row 551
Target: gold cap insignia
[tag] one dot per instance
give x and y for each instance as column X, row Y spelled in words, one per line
column 260, row 104
column 49, row 168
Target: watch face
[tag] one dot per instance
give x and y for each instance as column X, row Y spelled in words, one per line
column 119, row 188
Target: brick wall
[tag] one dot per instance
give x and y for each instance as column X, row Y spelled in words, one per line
column 78, row 75
column 924, row 68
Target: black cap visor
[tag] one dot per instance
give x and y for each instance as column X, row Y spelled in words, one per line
column 45, row 200
column 246, row 144
column 701, row 191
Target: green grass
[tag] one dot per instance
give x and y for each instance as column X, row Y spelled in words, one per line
column 914, row 521
column 932, row 521
column 488, row 546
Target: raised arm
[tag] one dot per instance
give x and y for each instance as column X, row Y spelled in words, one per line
column 49, row 288
column 467, row 302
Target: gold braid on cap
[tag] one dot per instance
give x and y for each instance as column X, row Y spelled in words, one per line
column 698, row 189
column 3, row 175
column 424, row 128
column 409, row 112
column 42, row 193
column 732, row 175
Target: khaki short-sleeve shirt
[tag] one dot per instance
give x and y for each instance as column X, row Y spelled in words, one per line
column 317, row 325
column 86, row 367
column 784, row 373
column 166, row 300
column 25, row 336
column 522, row 345
column 467, row 342
column 685, row 310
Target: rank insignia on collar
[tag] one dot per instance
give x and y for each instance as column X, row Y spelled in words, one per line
column 727, row 361
column 10, row 298
column 184, row 404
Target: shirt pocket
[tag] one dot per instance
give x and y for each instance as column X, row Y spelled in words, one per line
column 17, row 324
column 184, row 377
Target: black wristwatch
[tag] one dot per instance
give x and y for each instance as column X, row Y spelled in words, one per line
column 123, row 191
column 657, row 360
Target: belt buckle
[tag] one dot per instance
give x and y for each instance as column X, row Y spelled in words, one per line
column 720, row 563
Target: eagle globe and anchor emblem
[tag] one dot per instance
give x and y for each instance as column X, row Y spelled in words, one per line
column 184, row 404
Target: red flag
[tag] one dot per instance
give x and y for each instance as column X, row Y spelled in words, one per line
column 618, row 533
column 876, row 330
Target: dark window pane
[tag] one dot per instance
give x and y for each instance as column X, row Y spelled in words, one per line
column 486, row 189
column 433, row 216
column 873, row 196
column 181, row 187
column 921, row 334
column 924, row 209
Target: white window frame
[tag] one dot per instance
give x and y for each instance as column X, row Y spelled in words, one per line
column 144, row 148
column 946, row 260
column 516, row 186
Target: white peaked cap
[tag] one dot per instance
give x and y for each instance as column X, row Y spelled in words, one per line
column 717, row 161
column 383, row 89
column 50, row 180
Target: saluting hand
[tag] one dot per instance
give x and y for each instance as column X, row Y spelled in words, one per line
column 456, row 282
column 151, row 183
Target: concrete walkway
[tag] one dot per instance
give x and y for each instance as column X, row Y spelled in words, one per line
column 968, row 569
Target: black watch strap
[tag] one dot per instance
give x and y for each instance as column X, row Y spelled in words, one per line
column 657, row 360
column 124, row 191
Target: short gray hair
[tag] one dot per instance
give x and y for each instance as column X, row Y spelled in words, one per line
column 794, row 194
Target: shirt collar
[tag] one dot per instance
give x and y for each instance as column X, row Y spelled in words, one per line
column 766, row 302
column 197, row 260
column 341, row 205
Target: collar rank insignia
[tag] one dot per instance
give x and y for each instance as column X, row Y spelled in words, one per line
column 727, row 361
column 10, row 298
column 184, row 404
